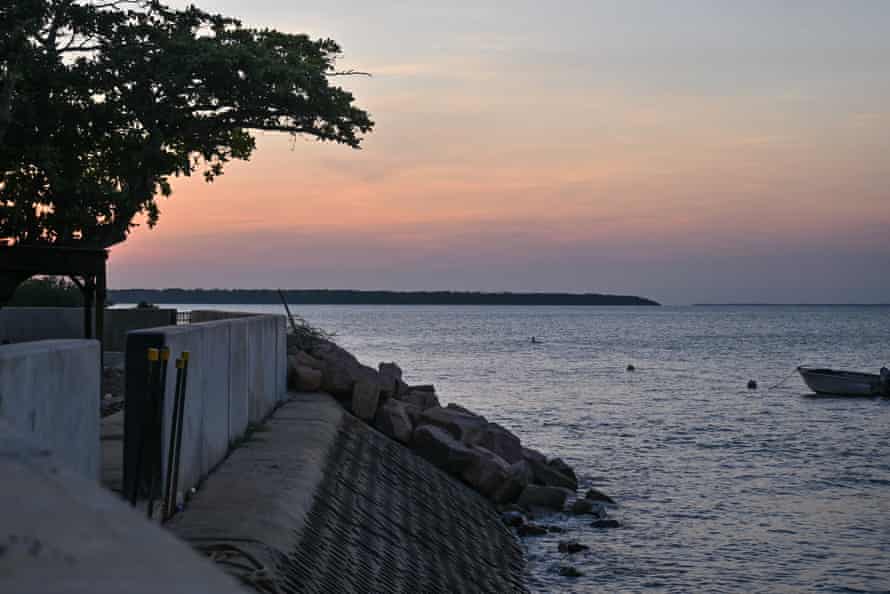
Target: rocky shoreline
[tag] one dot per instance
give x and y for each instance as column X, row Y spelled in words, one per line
column 523, row 484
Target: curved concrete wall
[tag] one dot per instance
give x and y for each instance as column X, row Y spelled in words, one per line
column 50, row 390
column 237, row 374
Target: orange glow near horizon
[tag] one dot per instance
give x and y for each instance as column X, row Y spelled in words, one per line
column 491, row 159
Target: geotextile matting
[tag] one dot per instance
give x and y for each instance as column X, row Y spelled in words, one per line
column 385, row 520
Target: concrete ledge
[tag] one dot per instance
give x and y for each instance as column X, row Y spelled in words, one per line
column 62, row 534
column 50, row 390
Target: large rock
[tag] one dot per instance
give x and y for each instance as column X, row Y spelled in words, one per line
column 390, row 375
column 550, row 476
column 597, row 495
column 424, row 388
column 560, row 466
column 547, row 497
column 393, row 420
column 365, row 396
column 304, row 358
column 486, row 472
column 466, row 427
column 439, row 447
column 530, row 454
column 421, row 399
column 516, row 481
column 587, row 507
column 308, row 379
column 502, row 442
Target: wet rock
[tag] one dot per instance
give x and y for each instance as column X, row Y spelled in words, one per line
column 571, row 547
column 390, row 375
column 555, row 529
column 466, row 427
column 508, row 507
column 393, row 420
column 365, row 397
column 513, row 518
column 424, row 388
column 414, row 412
column 542, row 496
column 502, row 442
column 461, row 409
column 588, row 507
column 547, row 475
column 605, row 524
column 530, row 529
column 440, row 448
column 422, row 400
column 570, row 571
column 596, row 495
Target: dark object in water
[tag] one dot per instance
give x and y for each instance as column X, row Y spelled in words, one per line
column 752, row 385
column 631, row 368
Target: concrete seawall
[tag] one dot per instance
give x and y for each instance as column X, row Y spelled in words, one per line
column 320, row 502
column 49, row 390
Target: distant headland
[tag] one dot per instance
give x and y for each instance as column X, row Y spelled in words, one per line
column 351, row 297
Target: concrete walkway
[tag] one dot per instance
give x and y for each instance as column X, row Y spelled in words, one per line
column 61, row 533
column 317, row 501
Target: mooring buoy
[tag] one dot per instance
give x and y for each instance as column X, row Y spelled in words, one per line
column 752, row 385
column 631, row 368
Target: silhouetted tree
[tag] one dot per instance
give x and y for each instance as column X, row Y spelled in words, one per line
column 101, row 103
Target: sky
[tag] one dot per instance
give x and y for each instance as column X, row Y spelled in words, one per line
column 687, row 151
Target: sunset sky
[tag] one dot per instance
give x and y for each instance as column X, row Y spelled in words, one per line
column 686, row 151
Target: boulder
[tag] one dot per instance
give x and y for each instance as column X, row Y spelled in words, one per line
column 414, row 412
column 424, row 388
column 487, row 473
column 462, row 426
column 560, row 466
column 304, row 358
column 588, row 507
column 570, row 571
column 530, row 454
column 365, row 396
column 502, row 442
column 308, row 379
column 571, row 547
column 390, row 375
column 462, row 410
column 513, row 518
column 539, row 496
column 595, row 495
column 605, row 524
column 423, row 400
column 513, row 485
column 530, row 529
column 402, row 388
column 547, row 475
column 393, row 421
column 441, row 449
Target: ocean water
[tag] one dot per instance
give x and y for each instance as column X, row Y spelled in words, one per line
column 720, row 489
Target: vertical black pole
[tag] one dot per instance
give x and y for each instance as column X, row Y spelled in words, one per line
column 180, row 413
column 169, row 496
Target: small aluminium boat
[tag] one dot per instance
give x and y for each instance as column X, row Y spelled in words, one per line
column 843, row 383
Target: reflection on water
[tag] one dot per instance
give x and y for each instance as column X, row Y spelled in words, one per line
column 721, row 489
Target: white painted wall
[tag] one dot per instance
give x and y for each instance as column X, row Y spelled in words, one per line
column 50, row 390
column 237, row 374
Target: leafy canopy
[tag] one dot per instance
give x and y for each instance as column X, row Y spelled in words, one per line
column 101, row 103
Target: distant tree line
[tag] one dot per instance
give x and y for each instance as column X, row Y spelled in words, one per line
column 351, row 297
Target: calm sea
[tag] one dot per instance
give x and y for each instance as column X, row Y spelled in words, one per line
column 721, row 489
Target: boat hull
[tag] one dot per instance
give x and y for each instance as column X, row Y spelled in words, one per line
column 841, row 383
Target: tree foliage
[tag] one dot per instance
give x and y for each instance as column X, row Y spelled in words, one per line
column 102, row 103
